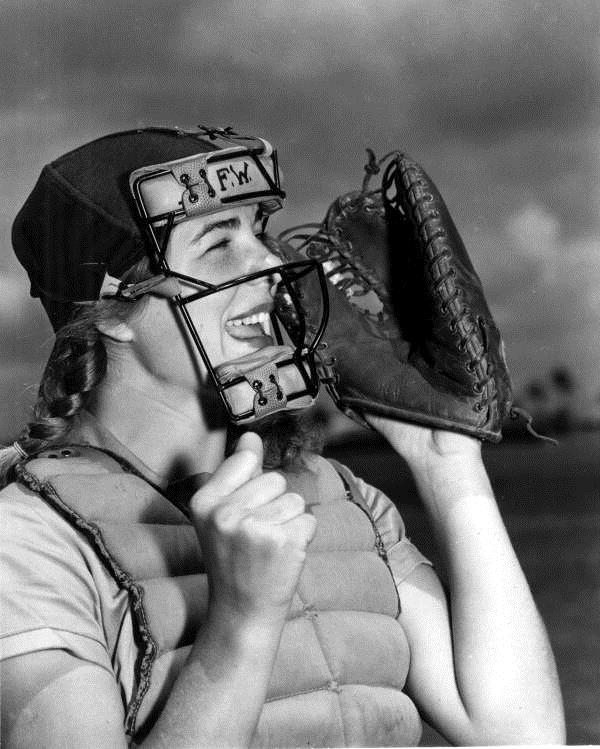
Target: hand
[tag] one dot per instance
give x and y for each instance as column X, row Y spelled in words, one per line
column 417, row 443
column 254, row 536
column 447, row 466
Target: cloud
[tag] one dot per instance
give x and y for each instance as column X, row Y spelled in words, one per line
column 465, row 67
column 534, row 232
column 554, row 276
column 470, row 68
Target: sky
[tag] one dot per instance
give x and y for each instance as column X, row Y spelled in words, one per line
column 498, row 100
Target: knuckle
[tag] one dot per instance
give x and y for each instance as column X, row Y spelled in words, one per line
column 300, row 530
column 223, row 519
column 275, row 481
column 280, row 539
column 199, row 506
column 307, row 528
column 291, row 505
column 248, row 527
column 296, row 501
column 257, row 533
column 262, row 532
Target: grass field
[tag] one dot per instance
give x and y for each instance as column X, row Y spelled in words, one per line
column 550, row 500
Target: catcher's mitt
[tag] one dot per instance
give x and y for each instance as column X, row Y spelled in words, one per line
column 410, row 335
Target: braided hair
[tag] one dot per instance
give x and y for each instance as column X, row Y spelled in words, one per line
column 76, row 366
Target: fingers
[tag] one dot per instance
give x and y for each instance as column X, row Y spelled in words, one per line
column 239, row 489
column 254, row 534
column 305, row 527
column 238, row 484
column 281, row 509
column 252, row 442
column 282, row 523
column 254, row 493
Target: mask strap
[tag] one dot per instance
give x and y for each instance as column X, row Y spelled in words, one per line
column 161, row 285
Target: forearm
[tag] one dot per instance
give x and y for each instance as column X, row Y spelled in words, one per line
column 502, row 657
column 218, row 696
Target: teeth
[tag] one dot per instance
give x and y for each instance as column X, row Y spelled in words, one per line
column 259, row 318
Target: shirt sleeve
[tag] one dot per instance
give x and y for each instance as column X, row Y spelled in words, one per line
column 47, row 595
column 403, row 556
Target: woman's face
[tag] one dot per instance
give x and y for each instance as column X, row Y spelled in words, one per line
column 230, row 323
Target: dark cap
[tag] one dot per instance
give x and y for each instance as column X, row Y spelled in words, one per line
column 80, row 222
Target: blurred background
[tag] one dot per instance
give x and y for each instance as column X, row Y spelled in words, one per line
column 500, row 103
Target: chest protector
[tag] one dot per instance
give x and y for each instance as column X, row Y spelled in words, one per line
column 343, row 657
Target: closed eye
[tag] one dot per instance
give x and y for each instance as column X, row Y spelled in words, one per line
column 226, row 241
column 221, row 244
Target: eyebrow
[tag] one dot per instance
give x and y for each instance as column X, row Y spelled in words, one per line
column 230, row 223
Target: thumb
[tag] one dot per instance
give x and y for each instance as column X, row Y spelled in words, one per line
column 244, row 464
column 251, row 442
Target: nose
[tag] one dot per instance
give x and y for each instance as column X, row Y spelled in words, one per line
column 260, row 256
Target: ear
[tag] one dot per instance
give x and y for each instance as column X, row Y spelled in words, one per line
column 115, row 329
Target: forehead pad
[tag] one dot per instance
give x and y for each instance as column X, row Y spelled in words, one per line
column 208, row 182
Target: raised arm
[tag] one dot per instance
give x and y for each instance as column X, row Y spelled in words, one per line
column 482, row 671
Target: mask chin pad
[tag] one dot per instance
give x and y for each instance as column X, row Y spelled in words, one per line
column 264, row 382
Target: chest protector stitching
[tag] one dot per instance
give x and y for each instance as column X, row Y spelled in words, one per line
column 343, row 657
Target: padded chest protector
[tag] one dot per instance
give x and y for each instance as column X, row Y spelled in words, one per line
column 343, row 657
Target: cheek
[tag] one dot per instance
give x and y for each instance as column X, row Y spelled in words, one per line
column 221, row 265
column 156, row 317
column 227, row 266
column 156, row 331
column 164, row 346
column 209, row 314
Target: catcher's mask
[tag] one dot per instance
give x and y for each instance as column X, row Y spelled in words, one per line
column 278, row 376
column 78, row 234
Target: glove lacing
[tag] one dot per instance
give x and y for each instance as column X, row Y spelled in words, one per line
column 345, row 271
column 469, row 332
column 469, row 339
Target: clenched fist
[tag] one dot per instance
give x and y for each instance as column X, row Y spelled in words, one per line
column 254, row 536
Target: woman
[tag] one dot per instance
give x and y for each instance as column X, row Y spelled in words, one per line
column 308, row 617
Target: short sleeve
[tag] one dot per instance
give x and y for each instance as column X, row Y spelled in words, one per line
column 403, row 556
column 47, row 595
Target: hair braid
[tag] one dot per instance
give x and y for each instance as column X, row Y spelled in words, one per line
column 76, row 366
column 74, row 369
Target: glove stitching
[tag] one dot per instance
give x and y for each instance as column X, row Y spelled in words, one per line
column 462, row 325
column 426, row 218
column 328, row 246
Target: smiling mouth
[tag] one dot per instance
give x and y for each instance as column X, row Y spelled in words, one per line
column 252, row 326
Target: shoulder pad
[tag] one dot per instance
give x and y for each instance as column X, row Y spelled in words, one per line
column 71, row 459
